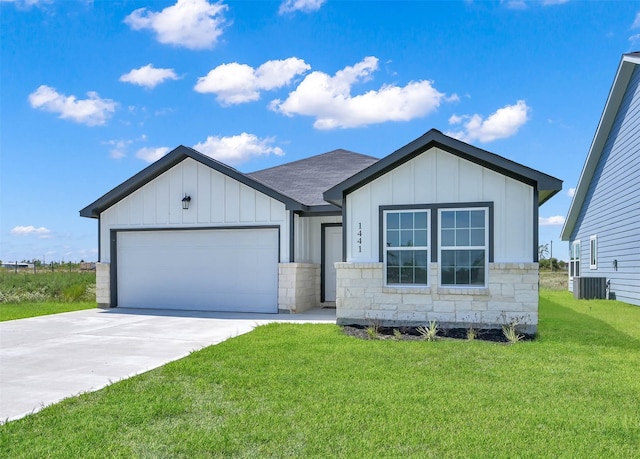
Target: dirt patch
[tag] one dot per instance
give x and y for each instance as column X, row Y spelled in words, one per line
column 412, row 334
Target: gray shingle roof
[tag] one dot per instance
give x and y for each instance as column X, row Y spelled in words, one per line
column 307, row 179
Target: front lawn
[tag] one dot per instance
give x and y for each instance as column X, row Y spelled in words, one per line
column 287, row 390
column 12, row 311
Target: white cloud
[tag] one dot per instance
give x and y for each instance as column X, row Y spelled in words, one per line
column 556, row 220
column 306, row 6
column 504, row 123
column 571, row 192
column 636, row 22
column 151, row 154
column 193, row 24
column 30, row 230
column 238, row 148
column 553, row 2
column 148, row 76
column 92, row 111
column 329, row 99
column 239, row 83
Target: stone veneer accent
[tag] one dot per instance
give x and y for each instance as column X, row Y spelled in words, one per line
column 298, row 287
column 103, row 285
column 512, row 294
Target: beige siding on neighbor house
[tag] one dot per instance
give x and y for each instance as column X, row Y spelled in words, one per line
column 217, row 201
column 440, row 177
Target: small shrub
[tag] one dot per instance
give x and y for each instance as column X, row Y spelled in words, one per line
column 429, row 333
column 396, row 334
column 511, row 334
column 472, row 334
column 372, row 331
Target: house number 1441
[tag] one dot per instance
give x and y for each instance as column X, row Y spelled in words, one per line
column 359, row 241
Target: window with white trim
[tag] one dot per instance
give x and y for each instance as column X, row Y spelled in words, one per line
column 406, row 247
column 593, row 252
column 464, row 246
column 574, row 259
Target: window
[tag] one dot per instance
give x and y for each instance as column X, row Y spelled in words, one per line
column 593, row 252
column 574, row 259
column 463, row 247
column 406, row 247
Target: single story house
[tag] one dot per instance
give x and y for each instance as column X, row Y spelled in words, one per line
column 603, row 222
column 438, row 230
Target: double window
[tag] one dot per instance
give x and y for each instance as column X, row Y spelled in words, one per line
column 461, row 244
column 406, row 245
column 463, row 247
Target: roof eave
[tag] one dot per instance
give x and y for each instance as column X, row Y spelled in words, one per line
column 616, row 93
column 174, row 157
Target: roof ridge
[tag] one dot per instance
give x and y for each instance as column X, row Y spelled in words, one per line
column 313, row 157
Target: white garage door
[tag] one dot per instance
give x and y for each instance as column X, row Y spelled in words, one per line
column 205, row 270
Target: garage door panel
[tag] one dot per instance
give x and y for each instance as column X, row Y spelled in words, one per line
column 214, row 270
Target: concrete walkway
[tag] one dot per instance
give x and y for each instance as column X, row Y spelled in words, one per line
column 46, row 359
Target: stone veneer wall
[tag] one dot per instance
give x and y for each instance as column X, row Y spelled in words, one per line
column 298, row 287
column 103, row 285
column 512, row 294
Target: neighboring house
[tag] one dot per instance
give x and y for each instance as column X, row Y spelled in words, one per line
column 438, row 230
column 603, row 223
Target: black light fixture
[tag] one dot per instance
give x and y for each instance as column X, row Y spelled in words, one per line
column 185, row 202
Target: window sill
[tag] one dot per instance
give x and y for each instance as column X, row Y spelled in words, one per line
column 407, row 289
column 463, row 291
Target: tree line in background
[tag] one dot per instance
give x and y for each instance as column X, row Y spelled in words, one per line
column 552, row 263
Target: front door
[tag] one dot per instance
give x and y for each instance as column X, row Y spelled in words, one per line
column 331, row 253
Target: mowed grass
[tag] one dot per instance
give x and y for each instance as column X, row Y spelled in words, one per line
column 12, row 311
column 288, row 390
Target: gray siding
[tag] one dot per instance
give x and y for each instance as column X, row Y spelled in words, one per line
column 611, row 210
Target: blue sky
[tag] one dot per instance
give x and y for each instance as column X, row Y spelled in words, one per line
column 92, row 91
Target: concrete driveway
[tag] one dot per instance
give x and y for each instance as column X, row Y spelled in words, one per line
column 46, row 359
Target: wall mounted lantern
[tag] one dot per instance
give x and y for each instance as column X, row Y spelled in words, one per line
column 185, row 202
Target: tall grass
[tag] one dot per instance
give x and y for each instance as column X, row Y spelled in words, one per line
column 68, row 287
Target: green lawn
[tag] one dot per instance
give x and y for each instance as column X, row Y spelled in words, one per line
column 12, row 311
column 309, row 391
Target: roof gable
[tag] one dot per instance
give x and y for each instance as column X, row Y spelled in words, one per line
column 619, row 88
column 307, row 179
column 547, row 185
column 165, row 163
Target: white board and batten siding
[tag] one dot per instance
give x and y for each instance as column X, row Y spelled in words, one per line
column 217, row 201
column 308, row 237
column 611, row 209
column 434, row 177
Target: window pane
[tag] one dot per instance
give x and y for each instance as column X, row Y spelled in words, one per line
column 477, row 237
column 406, row 238
column 420, row 258
column 421, row 220
column 421, row 238
column 448, row 258
column 477, row 218
column 406, row 275
column 393, row 275
column 463, row 219
column 477, row 276
column 406, row 258
column 462, row 276
column 393, row 258
column 447, row 276
column 393, row 221
column 462, row 258
column 421, row 276
column 393, row 238
column 447, row 219
column 406, row 220
column 462, row 237
column 476, row 257
column 448, row 237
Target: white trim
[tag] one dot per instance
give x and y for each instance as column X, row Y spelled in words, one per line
column 470, row 247
column 385, row 248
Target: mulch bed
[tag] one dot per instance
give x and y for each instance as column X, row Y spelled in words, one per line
column 412, row 334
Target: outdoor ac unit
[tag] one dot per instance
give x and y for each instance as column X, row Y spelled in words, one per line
column 590, row 288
